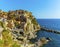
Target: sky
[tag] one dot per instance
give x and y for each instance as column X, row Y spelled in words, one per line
column 41, row 9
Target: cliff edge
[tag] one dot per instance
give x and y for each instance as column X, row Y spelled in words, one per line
column 17, row 28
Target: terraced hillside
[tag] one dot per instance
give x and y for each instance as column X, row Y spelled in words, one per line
column 17, row 28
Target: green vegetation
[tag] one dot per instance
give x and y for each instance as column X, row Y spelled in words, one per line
column 7, row 40
column 1, row 43
column 34, row 21
column 15, row 45
column 1, row 23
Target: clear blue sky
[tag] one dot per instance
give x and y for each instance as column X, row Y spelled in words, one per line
column 39, row 8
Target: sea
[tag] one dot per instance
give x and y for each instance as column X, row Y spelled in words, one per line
column 53, row 24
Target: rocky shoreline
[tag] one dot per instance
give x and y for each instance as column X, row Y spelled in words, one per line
column 18, row 27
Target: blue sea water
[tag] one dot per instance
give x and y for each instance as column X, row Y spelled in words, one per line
column 50, row 24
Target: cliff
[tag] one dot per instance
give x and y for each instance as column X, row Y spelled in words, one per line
column 17, row 28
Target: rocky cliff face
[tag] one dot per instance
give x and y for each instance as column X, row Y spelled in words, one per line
column 17, row 28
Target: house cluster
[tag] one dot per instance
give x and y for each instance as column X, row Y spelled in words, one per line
column 22, row 25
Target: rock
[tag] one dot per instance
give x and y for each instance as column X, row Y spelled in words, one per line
column 19, row 27
column 42, row 41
